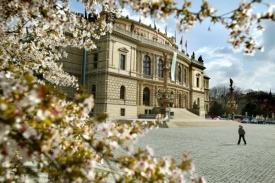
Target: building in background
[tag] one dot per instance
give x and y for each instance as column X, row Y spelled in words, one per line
column 125, row 72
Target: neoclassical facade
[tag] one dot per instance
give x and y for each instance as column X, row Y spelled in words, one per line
column 125, row 72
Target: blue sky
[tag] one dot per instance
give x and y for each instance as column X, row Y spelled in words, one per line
column 221, row 60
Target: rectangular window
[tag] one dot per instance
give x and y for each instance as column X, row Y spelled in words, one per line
column 95, row 60
column 122, row 112
column 122, row 61
column 198, row 82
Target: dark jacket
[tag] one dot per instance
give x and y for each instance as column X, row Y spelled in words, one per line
column 241, row 131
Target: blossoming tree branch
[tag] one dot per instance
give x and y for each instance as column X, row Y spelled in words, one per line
column 38, row 123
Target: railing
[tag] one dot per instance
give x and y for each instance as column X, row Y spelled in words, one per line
column 197, row 62
column 148, row 41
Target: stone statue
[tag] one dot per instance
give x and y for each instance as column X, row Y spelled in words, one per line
column 132, row 27
column 231, row 82
column 200, row 59
column 195, row 106
column 193, row 56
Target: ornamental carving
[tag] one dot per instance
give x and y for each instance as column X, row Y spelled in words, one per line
column 123, row 50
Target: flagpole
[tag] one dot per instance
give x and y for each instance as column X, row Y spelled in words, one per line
column 181, row 43
column 186, row 50
column 186, row 47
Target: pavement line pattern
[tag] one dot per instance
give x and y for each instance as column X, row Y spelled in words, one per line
column 215, row 152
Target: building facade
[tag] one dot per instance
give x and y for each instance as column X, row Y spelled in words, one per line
column 125, row 72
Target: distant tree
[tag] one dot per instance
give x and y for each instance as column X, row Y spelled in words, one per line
column 257, row 97
column 259, row 102
column 221, row 94
column 252, row 109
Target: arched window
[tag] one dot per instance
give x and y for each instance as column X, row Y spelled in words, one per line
column 94, row 91
column 122, row 92
column 184, row 75
column 160, row 68
column 179, row 74
column 146, row 65
column 170, row 66
column 146, row 96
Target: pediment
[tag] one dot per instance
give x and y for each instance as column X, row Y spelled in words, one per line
column 123, row 49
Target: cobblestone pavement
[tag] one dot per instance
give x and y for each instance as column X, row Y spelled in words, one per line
column 215, row 152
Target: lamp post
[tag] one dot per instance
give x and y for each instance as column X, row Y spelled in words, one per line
column 165, row 95
column 231, row 104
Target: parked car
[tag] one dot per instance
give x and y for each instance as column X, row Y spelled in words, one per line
column 261, row 121
column 270, row 121
column 253, row 120
column 223, row 119
column 238, row 120
column 245, row 120
column 217, row 118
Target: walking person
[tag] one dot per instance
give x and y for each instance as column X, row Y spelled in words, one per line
column 241, row 134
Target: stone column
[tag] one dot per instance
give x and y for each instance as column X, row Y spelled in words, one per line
column 134, row 58
column 141, row 63
column 153, row 95
column 113, row 47
column 138, row 63
column 176, row 98
column 140, row 93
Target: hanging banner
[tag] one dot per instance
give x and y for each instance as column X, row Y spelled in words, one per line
column 173, row 66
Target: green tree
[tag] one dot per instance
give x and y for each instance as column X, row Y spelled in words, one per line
column 259, row 103
column 217, row 109
column 252, row 109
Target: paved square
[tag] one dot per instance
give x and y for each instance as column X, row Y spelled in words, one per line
column 215, row 152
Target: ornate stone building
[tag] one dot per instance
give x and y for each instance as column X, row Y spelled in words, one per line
column 125, row 72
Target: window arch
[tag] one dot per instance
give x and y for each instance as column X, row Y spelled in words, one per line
column 94, row 90
column 122, row 92
column 160, row 68
column 179, row 73
column 146, row 96
column 146, row 65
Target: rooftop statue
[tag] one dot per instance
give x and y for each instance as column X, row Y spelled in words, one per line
column 193, row 56
column 231, row 82
column 200, row 59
